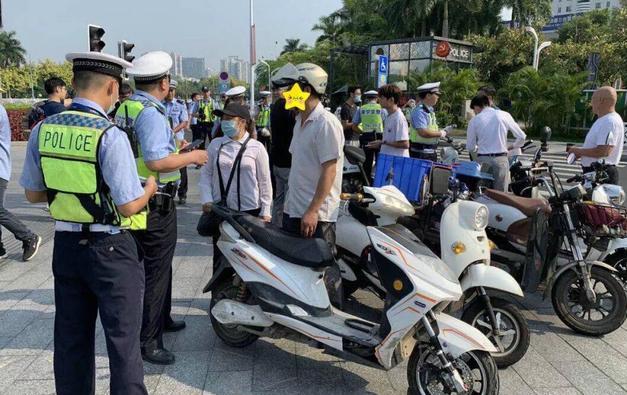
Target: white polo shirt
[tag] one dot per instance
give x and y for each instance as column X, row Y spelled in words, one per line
column 319, row 140
column 395, row 129
column 487, row 132
column 607, row 130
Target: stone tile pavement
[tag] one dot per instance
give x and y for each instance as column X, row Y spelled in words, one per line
column 558, row 362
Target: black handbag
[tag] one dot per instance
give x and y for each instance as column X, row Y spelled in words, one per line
column 209, row 223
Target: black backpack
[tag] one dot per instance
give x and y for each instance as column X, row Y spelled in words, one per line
column 36, row 114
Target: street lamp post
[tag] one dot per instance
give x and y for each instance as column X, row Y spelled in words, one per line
column 531, row 30
column 253, row 56
column 269, row 70
column 540, row 48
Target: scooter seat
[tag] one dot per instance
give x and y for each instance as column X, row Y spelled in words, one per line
column 527, row 206
column 354, row 155
column 314, row 253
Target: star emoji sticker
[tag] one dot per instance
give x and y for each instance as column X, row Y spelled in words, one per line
column 295, row 98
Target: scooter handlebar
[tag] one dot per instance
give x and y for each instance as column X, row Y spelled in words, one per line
column 355, row 197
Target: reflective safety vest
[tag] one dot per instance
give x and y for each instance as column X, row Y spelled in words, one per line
column 133, row 108
column 263, row 117
column 371, row 120
column 414, row 137
column 69, row 148
column 206, row 108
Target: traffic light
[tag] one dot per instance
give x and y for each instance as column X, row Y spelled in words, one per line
column 95, row 38
column 124, row 50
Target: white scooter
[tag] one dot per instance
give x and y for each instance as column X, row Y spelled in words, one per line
column 270, row 283
column 467, row 256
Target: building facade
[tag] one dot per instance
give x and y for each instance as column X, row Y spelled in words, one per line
column 237, row 68
column 194, row 68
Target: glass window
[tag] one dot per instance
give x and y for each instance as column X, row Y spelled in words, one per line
column 399, row 68
column 567, row 8
column 597, row 5
column 559, row 10
column 379, row 50
column 399, row 51
column 607, row 5
column 421, row 49
column 418, row 66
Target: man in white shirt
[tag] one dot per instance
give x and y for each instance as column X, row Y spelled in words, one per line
column 313, row 195
column 604, row 141
column 487, row 133
column 395, row 140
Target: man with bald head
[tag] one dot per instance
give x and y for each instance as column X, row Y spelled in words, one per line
column 604, row 141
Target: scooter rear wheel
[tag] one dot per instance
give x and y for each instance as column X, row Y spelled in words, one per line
column 594, row 319
column 229, row 334
column 515, row 340
column 477, row 369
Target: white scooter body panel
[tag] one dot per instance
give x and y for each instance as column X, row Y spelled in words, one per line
column 390, row 204
column 350, row 234
column 456, row 227
column 256, row 265
column 501, row 216
column 458, row 337
column 480, row 275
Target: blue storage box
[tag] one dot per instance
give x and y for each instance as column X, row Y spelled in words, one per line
column 407, row 174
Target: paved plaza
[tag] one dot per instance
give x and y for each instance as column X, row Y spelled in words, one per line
column 558, row 361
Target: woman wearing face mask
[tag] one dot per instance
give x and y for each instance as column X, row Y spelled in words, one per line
column 241, row 180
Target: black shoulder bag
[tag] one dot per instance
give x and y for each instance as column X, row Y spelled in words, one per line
column 209, row 223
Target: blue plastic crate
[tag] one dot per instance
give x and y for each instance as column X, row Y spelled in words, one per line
column 407, row 174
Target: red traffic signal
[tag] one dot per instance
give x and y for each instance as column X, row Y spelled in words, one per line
column 95, row 38
column 124, row 50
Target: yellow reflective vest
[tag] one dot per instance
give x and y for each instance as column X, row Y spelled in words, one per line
column 69, row 148
column 414, row 137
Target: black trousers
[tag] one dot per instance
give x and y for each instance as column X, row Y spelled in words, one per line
column 332, row 276
column 370, row 153
column 201, row 131
column 611, row 170
column 97, row 273
column 158, row 243
column 182, row 190
column 216, row 251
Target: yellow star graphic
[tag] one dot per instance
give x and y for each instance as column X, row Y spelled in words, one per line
column 295, row 98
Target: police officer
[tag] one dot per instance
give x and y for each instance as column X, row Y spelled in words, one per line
column 205, row 116
column 157, row 155
column 424, row 132
column 263, row 119
column 83, row 166
column 368, row 121
column 176, row 111
column 237, row 94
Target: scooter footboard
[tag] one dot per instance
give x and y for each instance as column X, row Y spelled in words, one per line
column 457, row 337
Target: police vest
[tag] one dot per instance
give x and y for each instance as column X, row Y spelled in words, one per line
column 207, row 110
column 432, row 124
column 132, row 109
column 69, row 148
column 263, row 117
column 371, row 120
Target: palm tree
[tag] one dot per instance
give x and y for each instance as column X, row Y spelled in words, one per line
column 331, row 27
column 293, row 45
column 11, row 51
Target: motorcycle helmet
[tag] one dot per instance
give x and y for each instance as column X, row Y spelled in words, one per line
column 313, row 75
column 284, row 76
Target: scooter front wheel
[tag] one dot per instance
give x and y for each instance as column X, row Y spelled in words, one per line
column 513, row 339
column 426, row 376
column 229, row 334
column 603, row 316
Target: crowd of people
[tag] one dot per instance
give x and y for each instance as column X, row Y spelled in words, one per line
column 111, row 165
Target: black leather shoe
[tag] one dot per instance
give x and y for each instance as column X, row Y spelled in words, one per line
column 175, row 326
column 158, row 356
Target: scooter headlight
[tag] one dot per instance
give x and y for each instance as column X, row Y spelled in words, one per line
column 481, row 218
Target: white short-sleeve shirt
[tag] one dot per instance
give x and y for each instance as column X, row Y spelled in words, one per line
column 319, row 140
column 395, row 129
column 607, row 130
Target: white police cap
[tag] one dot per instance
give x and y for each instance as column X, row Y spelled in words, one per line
column 235, row 91
column 371, row 93
column 150, row 67
column 264, row 93
column 430, row 87
column 173, row 84
column 98, row 62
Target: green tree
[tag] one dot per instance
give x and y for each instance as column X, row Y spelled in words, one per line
column 11, row 51
column 529, row 12
column 331, row 27
column 587, row 28
column 293, row 45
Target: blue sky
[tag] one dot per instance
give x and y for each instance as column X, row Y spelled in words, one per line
column 202, row 28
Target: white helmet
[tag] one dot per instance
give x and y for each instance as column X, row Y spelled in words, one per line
column 313, row 75
column 284, row 76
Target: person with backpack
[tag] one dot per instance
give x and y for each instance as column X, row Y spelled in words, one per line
column 57, row 92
